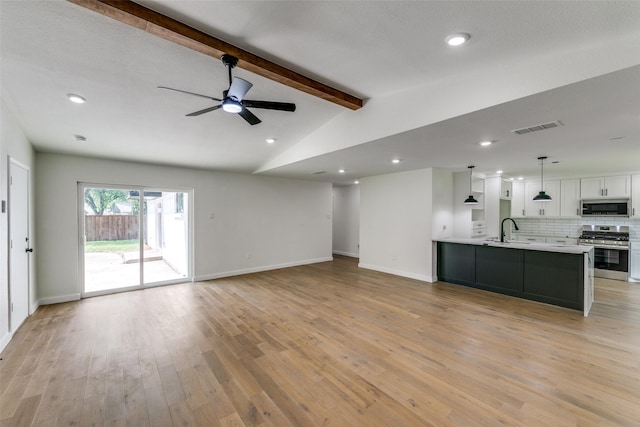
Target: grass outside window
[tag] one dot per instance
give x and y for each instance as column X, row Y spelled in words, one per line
column 118, row 246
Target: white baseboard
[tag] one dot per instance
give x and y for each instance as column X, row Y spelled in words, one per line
column 259, row 269
column 401, row 273
column 350, row 254
column 56, row 300
column 5, row 340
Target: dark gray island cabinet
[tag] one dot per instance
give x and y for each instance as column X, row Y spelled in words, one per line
column 554, row 274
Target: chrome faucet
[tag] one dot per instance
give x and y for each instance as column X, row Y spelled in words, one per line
column 502, row 227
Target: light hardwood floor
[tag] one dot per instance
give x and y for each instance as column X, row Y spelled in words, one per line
column 325, row 345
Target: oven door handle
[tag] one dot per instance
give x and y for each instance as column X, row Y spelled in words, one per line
column 620, row 248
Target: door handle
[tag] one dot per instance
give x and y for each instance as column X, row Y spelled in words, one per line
column 29, row 250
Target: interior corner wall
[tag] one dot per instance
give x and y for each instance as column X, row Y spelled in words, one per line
column 396, row 224
column 346, row 221
column 259, row 223
column 15, row 145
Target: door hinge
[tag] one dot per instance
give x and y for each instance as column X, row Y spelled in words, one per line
column 11, row 244
column 12, row 307
column 11, row 180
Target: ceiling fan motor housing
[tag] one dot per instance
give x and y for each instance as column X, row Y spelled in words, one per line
column 229, row 61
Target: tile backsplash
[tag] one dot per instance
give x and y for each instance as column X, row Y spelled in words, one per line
column 572, row 226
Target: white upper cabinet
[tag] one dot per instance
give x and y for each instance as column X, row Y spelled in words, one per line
column 570, row 198
column 517, row 200
column 506, row 189
column 550, row 208
column 635, row 197
column 606, row 187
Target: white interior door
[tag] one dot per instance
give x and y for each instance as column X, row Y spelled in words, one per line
column 19, row 247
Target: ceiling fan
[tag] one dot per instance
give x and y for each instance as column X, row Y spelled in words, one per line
column 233, row 98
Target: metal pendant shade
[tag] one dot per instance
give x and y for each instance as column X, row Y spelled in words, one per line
column 542, row 195
column 471, row 200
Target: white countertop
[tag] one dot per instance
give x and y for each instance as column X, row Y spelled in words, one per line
column 533, row 246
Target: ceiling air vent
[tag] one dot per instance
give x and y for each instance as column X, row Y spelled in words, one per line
column 319, row 173
column 535, row 128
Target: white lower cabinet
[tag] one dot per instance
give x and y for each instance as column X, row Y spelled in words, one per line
column 545, row 239
column 528, row 238
column 561, row 240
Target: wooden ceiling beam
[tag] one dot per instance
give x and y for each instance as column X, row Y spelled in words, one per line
column 155, row 23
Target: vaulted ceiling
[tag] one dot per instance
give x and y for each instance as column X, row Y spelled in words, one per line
column 425, row 102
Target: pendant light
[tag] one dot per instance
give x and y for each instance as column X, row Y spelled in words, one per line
column 542, row 196
column 471, row 200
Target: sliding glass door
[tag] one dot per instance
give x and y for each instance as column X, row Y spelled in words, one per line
column 133, row 237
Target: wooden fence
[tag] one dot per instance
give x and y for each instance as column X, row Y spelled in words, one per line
column 111, row 227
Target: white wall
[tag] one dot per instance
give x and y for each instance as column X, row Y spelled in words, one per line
column 396, row 224
column 259, row 223
column 14, row 144
column 346, row 221
column 442, row 204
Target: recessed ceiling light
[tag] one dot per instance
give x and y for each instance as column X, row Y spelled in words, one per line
column 510, row 179
column 520, row 178
column 498, row 172
column 341, row 171
column 356, row 182
column 76, row 98
column 80, row 138
column 457, row 39
column 270, row 140
column 486, row 143
column 396, row 161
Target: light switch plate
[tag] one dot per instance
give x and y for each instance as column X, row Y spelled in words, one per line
column 4, row 206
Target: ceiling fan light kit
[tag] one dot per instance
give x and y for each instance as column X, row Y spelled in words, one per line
column 231, row 106
column 233, row 98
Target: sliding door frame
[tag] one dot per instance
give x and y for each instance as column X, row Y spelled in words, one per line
column 141, row 230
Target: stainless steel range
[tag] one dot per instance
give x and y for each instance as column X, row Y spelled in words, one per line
column 611, row 244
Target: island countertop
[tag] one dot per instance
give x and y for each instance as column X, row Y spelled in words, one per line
column 535, row 246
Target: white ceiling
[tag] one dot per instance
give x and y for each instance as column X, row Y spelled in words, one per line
column 429, row 104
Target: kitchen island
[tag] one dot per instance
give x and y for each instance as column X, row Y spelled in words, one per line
column 551, row 273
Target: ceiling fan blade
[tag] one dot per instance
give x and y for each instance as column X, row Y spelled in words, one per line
column 206, row 110
column 249, row 117
column 239, row 88
column 189, row 93
column 281, row 106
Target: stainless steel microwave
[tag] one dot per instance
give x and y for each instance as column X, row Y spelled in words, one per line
column 605, row 207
